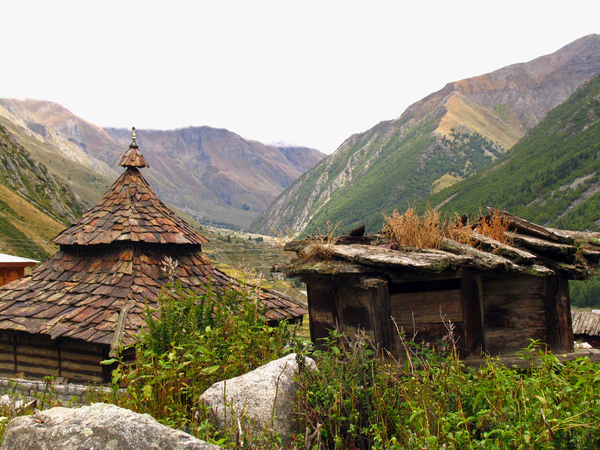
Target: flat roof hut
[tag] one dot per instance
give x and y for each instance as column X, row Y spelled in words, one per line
column 13, row 267
column 87, row 301
column 498, row 296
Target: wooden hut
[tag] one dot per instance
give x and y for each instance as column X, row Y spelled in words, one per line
column 586, row 327
column 13, row 267
column 87, row 301
column 497, row 296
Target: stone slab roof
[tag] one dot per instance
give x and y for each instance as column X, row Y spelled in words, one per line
column 534, row 250
column 586, row 322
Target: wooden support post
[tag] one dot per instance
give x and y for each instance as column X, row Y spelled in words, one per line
column 383, row 326
column 321, row 307
column 557, row 303
column 472, row 303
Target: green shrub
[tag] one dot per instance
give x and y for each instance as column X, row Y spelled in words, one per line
column 360, row 400
column 192, row 341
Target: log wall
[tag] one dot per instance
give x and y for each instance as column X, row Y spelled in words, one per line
column 37, row 356
column 497, row 314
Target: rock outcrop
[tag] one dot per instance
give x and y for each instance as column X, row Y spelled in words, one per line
column 262, row 400
column 96, row 427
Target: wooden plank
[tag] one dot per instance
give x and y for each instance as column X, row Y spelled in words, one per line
column 426, row 307
column 506, row 341
column 7, row 367
column 383, row 326
column 472, row 305
column 558, row 315
column 321, row 306
column 499, row 290
column 354, row 308
column 37, row 351
column 80, row 377
column 524, row 226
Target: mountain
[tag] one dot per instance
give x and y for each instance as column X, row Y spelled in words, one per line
column 551, row 177
column 214, row 175
column 437, row 142
column 34, row 205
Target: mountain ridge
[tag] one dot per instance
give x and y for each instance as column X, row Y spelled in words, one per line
column 441, row 139
column 229, row 184
column 550, row 177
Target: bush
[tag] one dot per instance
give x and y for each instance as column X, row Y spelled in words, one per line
column 192, row 341
column 360, row 400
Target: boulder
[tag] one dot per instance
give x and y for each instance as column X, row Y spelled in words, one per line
column 96, row 427
column 261, row 402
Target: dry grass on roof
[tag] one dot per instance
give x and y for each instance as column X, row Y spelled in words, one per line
column 319, row 248
column 409, row 230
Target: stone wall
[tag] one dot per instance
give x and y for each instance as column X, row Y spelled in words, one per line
column 67, row 394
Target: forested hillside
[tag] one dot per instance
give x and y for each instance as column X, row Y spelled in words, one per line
column 551, row 177
column 438, row 141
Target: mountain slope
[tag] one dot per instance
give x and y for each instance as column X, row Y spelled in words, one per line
column 214, row 175
column 34, row 205
column 551, row 177
column 436, row 142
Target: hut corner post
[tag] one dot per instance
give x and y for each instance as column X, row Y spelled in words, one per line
column 559, row 323
column 321, row 307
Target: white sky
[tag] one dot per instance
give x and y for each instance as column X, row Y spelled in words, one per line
column 307, row 72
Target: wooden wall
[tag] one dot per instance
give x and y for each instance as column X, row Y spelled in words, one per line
column 498, row 314
column 423, row 309
column 37, row 356
column 513, row 312
column 350, row 303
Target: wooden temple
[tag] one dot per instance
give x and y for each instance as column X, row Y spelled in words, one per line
column 87, row 301
column 497, row 296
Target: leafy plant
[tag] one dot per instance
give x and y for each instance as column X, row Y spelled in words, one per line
column 361, row 399
column 190, row 342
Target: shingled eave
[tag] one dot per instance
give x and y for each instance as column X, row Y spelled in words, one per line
column 101, row 298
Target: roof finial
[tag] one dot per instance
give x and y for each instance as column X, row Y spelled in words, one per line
column 133, row 157
column 133, row 142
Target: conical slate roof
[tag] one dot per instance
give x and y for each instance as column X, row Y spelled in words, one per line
column 130, row 211
column 112, row 264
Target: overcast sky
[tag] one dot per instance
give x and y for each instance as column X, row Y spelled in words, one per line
column 307, row 72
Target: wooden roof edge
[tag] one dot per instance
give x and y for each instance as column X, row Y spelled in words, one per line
column 286, row 297
column 524, row 226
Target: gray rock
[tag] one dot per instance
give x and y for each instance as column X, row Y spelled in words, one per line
column 261, row 401
column 96, row 427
